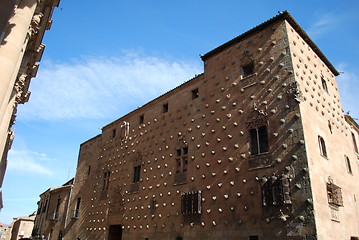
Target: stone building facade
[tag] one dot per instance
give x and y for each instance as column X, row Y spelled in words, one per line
column 256, row 147
column 52, row 212
column 21, row 227
column 22, row 27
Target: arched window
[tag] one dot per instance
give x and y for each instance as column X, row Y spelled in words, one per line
column 322, row 148
column 347, row 163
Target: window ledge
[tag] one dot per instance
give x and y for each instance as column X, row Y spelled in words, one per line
column 325, row 157
column 258, row 155
column 249, row 76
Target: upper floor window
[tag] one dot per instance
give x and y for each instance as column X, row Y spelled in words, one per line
column 182, row 159
column 113, row 133
column 247, row 70
column 322, row 148
column 347, row 163
column 142, row 119
column 165, row 108
column 125, row 130
column 259, row 140
column 106, row 180
column 136, row 173
column 324, row 85
column 195, row 93
column 75, row 213
column 191, row 202
column 355, row 143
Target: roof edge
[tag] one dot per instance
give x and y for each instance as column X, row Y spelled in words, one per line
column 285, row 15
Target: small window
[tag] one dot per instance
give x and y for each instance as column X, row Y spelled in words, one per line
column 125, row 130
column 113, row 133
column 355, row 143
column 324, row 85
column 322, row 148
column 89, row 171
column 253, row 238
column 195, row 93
column 142, row 119
column 136, row 173
column 247, row 70
column 165, row 108
column 259, row 140
column 75, row 213
column 106, row 180
column 347, row 163
column 45, row 206
column 330, row 127
column 191, row 202
column 182, row 159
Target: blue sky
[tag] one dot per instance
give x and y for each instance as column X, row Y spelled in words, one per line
column 106, row 58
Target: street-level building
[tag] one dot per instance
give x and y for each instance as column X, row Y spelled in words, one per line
column 52, row 210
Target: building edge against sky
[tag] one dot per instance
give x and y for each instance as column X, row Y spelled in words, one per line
column 22, row 27
column 256, row 147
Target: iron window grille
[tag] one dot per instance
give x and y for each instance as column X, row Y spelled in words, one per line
column 191, row 202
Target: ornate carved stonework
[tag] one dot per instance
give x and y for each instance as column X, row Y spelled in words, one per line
column 260, row 161
column 295, row 91
column 258, row 118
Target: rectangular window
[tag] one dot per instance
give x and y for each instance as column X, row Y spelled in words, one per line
column 324, row 85
column 334, row 194
column 142, row 119
column 113, row 133
column 45, row 206
column 355, row 143
column 136, row 173
column 191, row 202
column 195, row 93
column 106, row 180
column 89, row 171
column 125, row 130
column 347, row 163
column 56, row 214
column 259, row 140
column 75, row 213
column 182, row 159
column 165, row 108
column 253, row 238
column 247, row 70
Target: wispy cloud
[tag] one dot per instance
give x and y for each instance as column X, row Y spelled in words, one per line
column 99, row 87
column 28, row 162
column 348, row 83
column 322, row 24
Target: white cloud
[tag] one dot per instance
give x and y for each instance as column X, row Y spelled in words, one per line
column 99, row 87
column 348, row 84
column 28, row 162
column 324, row 23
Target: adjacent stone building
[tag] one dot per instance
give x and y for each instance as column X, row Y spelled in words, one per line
column 256, row 147
column 52, row 212
column 22, row 27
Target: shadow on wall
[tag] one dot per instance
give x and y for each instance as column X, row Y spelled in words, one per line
column 7, row 11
